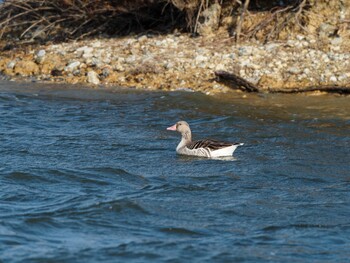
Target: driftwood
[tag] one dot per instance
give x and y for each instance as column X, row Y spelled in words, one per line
column 326, row 88
column 235, row 82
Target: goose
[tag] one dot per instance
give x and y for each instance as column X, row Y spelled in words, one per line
column 203, row 148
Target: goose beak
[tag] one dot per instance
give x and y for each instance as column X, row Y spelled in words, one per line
column 172, row 128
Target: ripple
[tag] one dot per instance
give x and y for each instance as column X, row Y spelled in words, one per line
column 122, row 205
column 180, row 231
column 274, row 228
column 24, row 176
column 118, row 171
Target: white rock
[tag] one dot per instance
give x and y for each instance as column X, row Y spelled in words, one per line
column 333, row 79
column 254, row 66
column 337, row 41
column 291, row 42
column 278, row 64
column 294, row 70
column 306, row 71
column 242, row 72
column 119, row 67
column 305, row 43
column 107, row 60
column 142, row 39
column 62, row 52
column 170, row 40
column 106, row 72
column 96, row 44
column 218, row 67
column 40, row 56
column 200, row 59
column 94, row 62
column 335, row 48
column 312, row 41
column 11, row 64
column 71, row 66
column 87, row 55
column 158, row 43
column 85, row 52
column 168, row 65
column 248, row 50
column 342, row 77
column 92, row 77
column 271, row 47
column 130, row 59
column 76, row 72
column 41, row 53
column 253, row 80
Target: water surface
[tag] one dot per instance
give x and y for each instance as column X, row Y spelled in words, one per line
column 92, row 176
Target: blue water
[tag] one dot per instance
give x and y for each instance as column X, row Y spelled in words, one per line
column 92, row 176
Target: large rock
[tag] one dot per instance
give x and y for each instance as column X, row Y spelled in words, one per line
column 92, row 77
column 85, row 52
column 52, row 62
column 40, row 56
column 72, row 66
column 26, row 68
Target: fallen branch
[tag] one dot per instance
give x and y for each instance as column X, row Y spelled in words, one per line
column 235, row 82
column 326, row 88
column 241, row 19
column 277, row 19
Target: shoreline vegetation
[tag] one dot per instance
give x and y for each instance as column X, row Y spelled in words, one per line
column 211, row 46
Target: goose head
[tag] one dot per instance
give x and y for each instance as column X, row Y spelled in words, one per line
column 181, row 127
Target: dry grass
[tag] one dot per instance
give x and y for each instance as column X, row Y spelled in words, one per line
column 57, row 20
column 61, row 19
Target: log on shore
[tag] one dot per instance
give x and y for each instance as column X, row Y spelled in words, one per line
column 235, row 82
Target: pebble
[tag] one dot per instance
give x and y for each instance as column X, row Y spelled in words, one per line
column 97, row 44
column 294, row 70
column 119, row 67
column 130, row 59
column 200, row 60
column 333, row 79
column 76, row 72
column 11, row 64
column 142, row 39
column 106, row 72
column 84, row 52
column 40, row 56
column 72, row 66
column 92, row 77
column 271, row 47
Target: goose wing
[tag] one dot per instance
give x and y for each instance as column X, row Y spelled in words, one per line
column 209, row 143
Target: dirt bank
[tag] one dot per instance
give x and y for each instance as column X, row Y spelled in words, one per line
column 177, row 61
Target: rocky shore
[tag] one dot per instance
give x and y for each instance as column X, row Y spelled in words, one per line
column 178, row 61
